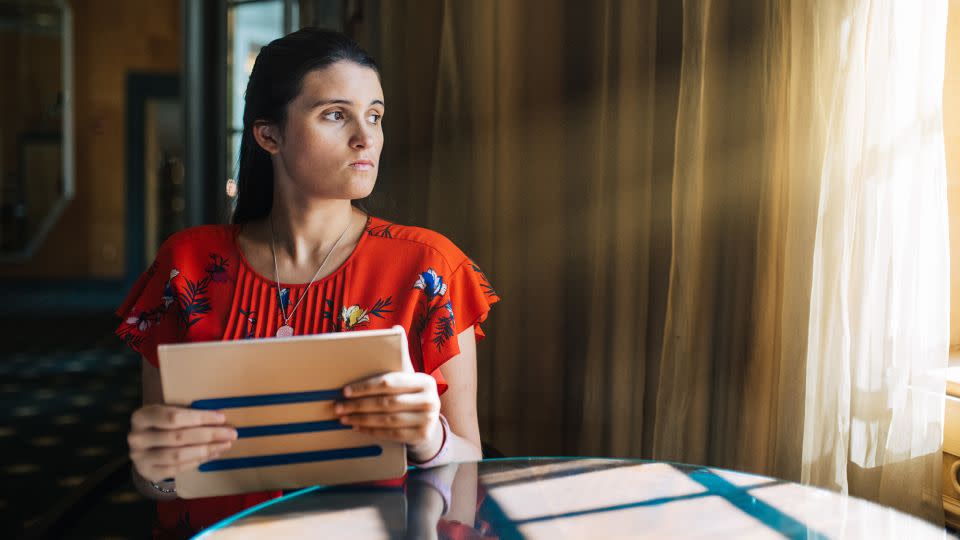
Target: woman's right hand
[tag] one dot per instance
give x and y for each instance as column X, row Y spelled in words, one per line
column 165, row 440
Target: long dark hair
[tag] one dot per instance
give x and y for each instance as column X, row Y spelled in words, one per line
column 275, row 81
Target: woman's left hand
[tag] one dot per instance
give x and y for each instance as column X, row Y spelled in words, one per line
column 398, row 406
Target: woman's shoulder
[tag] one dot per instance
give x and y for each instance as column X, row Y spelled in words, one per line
column 425, row 243
column 200, row 240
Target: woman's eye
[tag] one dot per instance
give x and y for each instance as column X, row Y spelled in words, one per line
column 375, row 118
column 334, row 115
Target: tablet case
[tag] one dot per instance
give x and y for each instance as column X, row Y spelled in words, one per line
column 279, row 394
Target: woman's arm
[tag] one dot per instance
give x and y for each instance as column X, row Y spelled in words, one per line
column 459, row 403
column 152, row 394
column 165, row 440
column 459, row 406
column 404, row 407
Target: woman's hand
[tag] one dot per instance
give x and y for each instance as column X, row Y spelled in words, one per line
column 165, row 440
column 399, row 406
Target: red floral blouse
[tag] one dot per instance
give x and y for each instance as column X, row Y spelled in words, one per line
column 200, row 288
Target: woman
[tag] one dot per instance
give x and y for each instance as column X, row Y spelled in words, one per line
column 300, row 258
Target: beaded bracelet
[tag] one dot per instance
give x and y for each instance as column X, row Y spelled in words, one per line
column 443, row 447
column 161, row 489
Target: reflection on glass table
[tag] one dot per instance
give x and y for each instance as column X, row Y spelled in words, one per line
column 572, row 498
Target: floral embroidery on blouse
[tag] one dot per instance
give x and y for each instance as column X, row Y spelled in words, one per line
column 484, row 282
column 445, row 327
column 434, row 288
column 217, row 269
column 251, row 322
column 144, row 319
column 169, row 295
column 328, row 309
column 431, row 284
column 141, row 321
column 193, row 299
column 355, row 316
column 381, row 231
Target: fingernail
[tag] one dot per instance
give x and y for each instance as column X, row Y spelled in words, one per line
column 345, row 420
column 338, row 408
column 233, row 435
column 221, row 417
column 347, row 391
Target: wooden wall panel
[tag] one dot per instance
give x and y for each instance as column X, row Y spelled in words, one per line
column 110, row 39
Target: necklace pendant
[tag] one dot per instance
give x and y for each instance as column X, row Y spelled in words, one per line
column 285, row 331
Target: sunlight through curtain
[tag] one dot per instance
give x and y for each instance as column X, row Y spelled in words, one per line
column 718, row 226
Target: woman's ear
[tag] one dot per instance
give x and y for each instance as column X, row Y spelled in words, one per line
column 266, row 136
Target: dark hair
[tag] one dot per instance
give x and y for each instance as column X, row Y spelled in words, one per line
column 275, row 81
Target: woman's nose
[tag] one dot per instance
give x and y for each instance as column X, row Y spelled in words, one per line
column 363, row 138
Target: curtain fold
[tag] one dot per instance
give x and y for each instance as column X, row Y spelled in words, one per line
column 718, row 226
column 620, row 173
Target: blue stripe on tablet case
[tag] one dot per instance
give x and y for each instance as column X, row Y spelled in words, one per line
column 263, row 400
column 289, row 429
column 230, row 464
column 267, row 399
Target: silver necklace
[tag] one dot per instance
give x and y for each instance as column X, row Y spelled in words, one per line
column 286, row 330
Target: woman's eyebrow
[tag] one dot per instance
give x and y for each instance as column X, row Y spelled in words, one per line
column 341, row 101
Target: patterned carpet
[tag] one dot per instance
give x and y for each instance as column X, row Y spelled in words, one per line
column 67, row 388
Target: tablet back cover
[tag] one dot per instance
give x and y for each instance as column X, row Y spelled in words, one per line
column 279, row 394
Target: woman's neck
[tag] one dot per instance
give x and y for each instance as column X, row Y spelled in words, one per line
column 305, row 231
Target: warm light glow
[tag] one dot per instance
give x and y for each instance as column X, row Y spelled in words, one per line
column 592, row 490
column 363, row 522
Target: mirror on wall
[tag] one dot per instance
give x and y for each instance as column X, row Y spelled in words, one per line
column 36, row 126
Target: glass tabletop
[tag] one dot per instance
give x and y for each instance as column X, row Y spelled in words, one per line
column 571, row 498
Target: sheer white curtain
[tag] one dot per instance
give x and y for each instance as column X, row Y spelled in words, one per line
column 879, row 307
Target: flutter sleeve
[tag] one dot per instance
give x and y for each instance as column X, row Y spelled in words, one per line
column 148, row 314
column 461, row 300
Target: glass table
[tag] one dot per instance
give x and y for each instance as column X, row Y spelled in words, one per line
column 571, row 498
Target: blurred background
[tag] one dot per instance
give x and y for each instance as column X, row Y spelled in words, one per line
column 720, row 227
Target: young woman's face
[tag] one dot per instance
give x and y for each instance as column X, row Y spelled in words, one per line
column 330, row 145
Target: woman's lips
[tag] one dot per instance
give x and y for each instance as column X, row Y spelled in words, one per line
column 362, row 165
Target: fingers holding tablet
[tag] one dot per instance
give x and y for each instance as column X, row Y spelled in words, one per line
column 165, row 440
